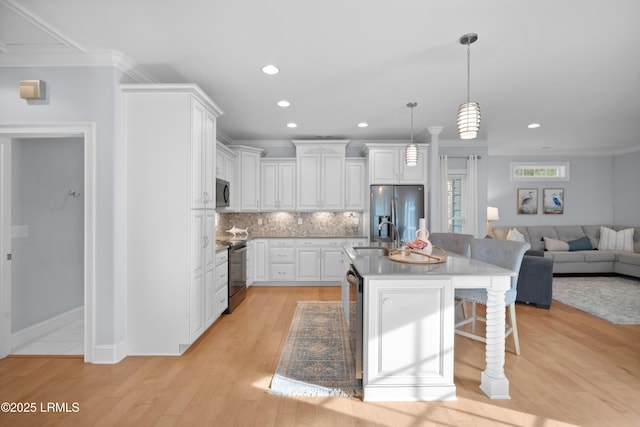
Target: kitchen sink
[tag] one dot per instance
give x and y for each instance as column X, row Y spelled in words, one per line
column 371, row 250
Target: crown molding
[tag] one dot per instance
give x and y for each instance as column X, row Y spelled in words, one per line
column 94, row 58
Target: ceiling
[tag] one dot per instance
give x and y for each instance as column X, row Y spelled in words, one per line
column 573, row 66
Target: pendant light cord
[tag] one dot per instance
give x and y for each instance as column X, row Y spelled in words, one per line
column 468, row 72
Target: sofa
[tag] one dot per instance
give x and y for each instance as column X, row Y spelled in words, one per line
column 535, row 279
column 579, row 261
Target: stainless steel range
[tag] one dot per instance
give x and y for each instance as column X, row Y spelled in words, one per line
column 237, row 271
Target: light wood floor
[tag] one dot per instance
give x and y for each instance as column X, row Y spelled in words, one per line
column 575, row 369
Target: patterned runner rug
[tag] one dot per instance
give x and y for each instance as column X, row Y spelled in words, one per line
column 612, row 298
column 316, row 359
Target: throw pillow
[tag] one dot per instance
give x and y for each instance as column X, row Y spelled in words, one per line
column 555, row 245
column 581, row 244
column 515, row 235
column 616, row 240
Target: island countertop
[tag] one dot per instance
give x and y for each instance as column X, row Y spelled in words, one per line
column 384, row 268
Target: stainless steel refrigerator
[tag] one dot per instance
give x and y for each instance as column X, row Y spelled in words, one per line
column 402, row 205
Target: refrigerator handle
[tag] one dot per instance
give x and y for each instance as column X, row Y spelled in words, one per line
column 393, row 211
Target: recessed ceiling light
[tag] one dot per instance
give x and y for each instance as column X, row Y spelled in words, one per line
column 363, row 125
column 534, row 125
column 283, row 103
column 270, row 69
column 292, row 125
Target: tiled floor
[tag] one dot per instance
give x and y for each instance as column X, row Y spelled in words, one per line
column 67, row 341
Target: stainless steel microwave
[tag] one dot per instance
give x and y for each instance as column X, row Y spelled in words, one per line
column 222, row 193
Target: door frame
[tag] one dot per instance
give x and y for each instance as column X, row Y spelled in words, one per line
column 88, row 132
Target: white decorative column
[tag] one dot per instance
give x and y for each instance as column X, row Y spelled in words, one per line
column 434, row 178
column 493, row 381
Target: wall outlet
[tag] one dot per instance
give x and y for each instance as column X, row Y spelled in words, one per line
column 299, row 221
column 259, row 221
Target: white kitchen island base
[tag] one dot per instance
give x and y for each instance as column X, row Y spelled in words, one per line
column 408, row 327
column 408, row 332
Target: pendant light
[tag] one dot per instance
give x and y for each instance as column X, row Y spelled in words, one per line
column 411, row 151
column 469, row 113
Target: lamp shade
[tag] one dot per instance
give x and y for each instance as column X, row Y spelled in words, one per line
column 411, row 155
column 492, row 213
column 469, row 120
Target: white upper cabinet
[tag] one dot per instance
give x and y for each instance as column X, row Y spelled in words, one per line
column 277, row 185
column 203, row 140
column 320, row 175
column 249, row 178
column 355, row 185
column 386, row 165
column 225, row 162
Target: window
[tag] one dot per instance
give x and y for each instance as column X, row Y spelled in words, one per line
column 455, row 212
column 539, row 171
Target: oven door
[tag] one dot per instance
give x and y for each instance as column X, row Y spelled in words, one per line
column 356, row 284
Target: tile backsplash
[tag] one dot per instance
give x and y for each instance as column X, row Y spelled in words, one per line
column 292, row 224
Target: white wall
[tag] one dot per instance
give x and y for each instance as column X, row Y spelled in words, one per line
column 626, row 189
column 86, row 94
column 47, row 248
column 588, row 196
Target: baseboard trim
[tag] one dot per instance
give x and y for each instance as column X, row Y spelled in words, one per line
column 31, row 333
column 109, row 354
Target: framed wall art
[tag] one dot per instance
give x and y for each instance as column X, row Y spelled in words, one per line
column 527, row 199
column 553, row 201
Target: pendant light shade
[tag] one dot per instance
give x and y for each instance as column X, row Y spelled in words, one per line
column 469, row 120
column 411, row 151
column 468, row 113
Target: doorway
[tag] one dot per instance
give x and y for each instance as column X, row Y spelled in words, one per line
column 46, row 237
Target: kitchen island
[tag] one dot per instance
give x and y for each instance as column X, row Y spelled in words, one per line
column 408, row 325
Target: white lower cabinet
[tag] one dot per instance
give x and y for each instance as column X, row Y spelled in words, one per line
column 299, row 260
column 221, row 294
column 408, row 336
column 260, row 258
column 282, row 260
column 319, row 260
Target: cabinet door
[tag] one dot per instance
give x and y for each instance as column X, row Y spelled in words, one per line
column 308, row 194
column 355, row 185
column 332, row 267
column 416, row 174
column 198, row 114
column 250, row 181
column 332, row 182
column 383, row 166
column 269, row 186
column 197, row 283
column 209, row 299
column 260, row 261
column 221, row 164
column 308, row 264
column 209, row 160
column 287, row 186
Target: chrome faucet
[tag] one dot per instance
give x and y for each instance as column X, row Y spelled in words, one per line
column 397, row 240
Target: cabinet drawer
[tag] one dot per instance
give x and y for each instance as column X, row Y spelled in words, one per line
column 283, row 272
column 222, row 256
column 222, row 275
column 282, row 255
column 222, row 300
column 274, row 243
column 320, row 242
